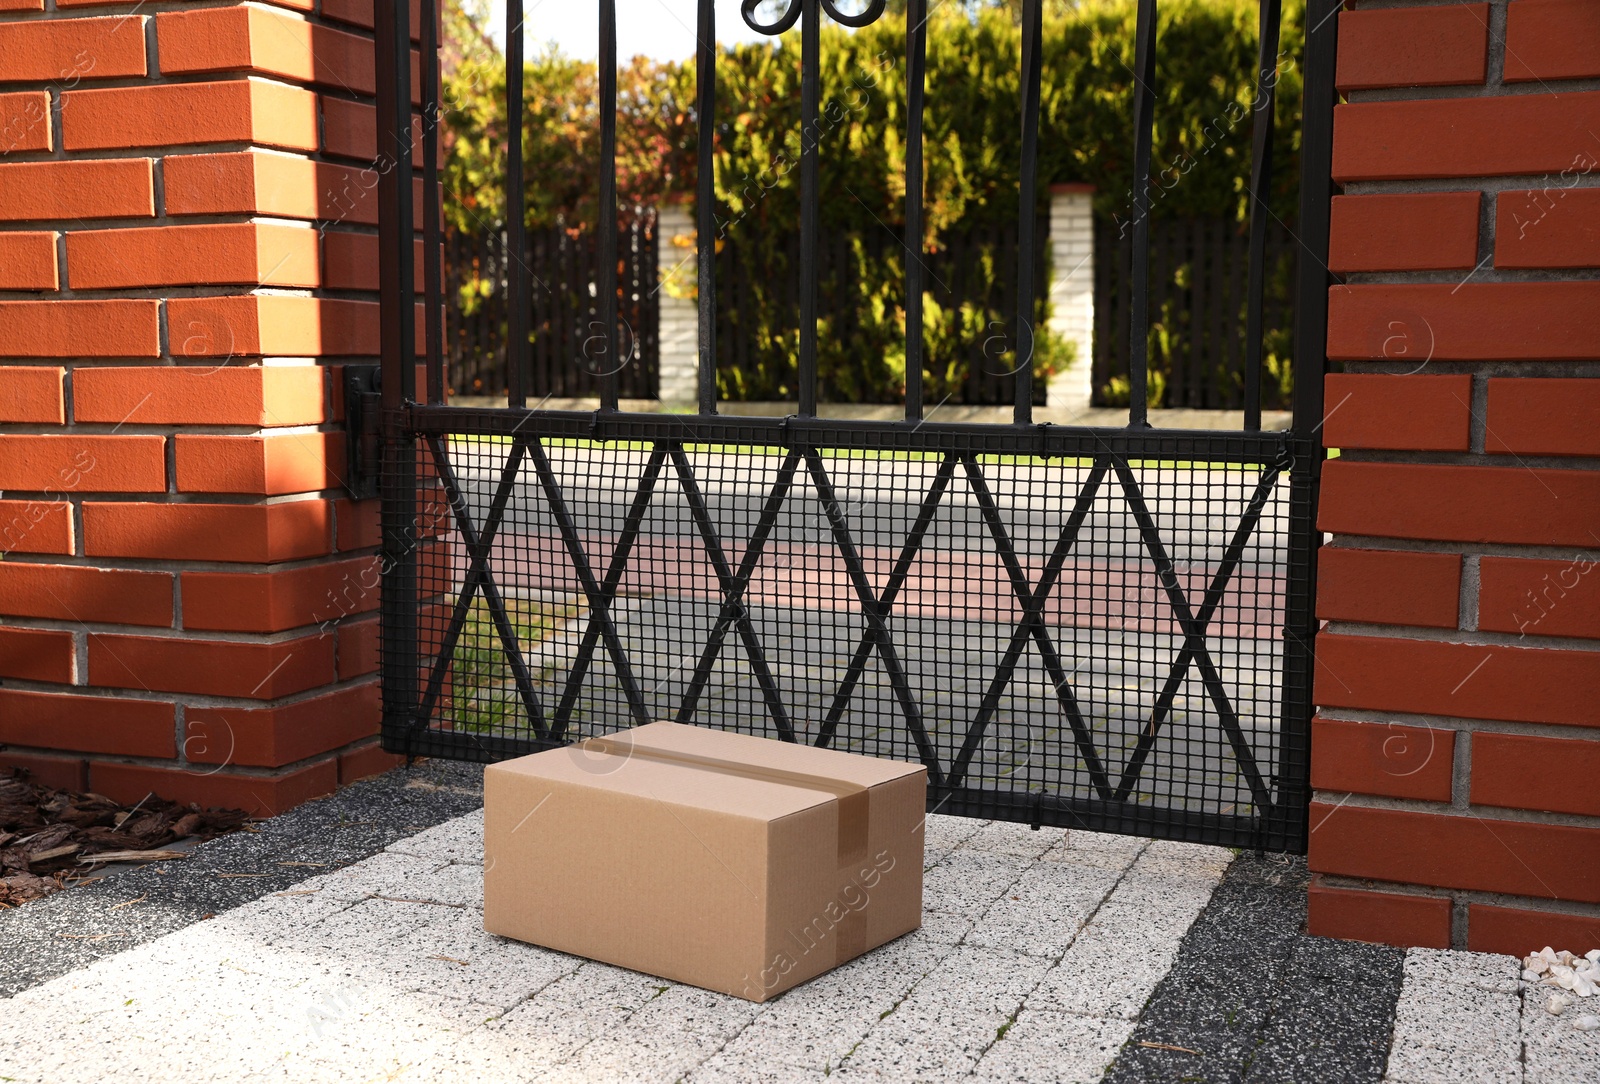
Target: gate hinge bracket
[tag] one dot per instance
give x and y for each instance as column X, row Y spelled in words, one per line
column 362, row 410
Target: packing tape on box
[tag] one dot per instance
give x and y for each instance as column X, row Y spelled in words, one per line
column 851, row 932
column 852, row 796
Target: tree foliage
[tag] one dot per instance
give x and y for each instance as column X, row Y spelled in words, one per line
column 1205, row 89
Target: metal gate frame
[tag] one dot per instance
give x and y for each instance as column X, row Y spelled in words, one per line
column 408, row 422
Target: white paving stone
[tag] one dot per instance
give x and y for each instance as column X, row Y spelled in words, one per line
column 1457, row 1021
column 1043, row 911
column 382, row 970
column 723, row 1068
column 1165, row 856
column 1113, row 965
column 813, row 1036
column 661, row 1058
column 1003, row 837
column 943, row 927
column 281, row 915
column 458, row 884
column 1553, row 1051
column 967, row 882
column 941, row 833
column 687, row 1008
column 1484, row 970
column 458, row 840
column 951, row 1017
column 1045, row 1047
column 1098, row 849
column 385, row 873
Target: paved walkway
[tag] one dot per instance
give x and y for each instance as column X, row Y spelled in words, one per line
column 1043, row 957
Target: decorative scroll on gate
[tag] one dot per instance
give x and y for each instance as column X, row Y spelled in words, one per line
column 1104, row 627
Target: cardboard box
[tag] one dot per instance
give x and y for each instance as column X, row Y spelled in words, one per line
column 734, row 863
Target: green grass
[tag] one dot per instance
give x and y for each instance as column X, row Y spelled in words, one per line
column 484, row 688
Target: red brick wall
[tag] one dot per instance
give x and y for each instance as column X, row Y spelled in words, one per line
column 1456, row 751
column 187, row 257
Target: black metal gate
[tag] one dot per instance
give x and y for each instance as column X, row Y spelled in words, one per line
column 1109, row 628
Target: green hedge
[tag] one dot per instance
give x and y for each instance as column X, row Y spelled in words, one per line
column 1205, row 86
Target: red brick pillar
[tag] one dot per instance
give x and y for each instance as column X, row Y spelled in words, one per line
column 187, row 258
column 1456, row 759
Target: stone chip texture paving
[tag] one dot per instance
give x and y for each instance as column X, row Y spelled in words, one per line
column 1039, row 951
column 1043, row 956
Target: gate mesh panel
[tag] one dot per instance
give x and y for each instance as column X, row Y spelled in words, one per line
column 1073, row 640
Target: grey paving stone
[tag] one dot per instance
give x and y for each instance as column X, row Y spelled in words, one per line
column 1261, row 1001
column 1332, row 1016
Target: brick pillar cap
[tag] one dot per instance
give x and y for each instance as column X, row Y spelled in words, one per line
column 1067, row 187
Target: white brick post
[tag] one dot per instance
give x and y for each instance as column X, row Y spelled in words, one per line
column 1072, row 291
column 679, row 334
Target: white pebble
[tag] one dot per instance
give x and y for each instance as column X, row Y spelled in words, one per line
column 1558, row 1004
column 1587, row 1023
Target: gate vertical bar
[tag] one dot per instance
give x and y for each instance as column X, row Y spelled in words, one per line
column 705, row 202
column 810, row 92
column 398, row 354
column 607, row 284
column 916, row 73
column 1144, row 108
column 518, row 299
column 1260, row 206
column 432, row 251
column 1028, row 207
column 1310, row 366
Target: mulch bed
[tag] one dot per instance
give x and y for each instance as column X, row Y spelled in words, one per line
column 50, row 838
